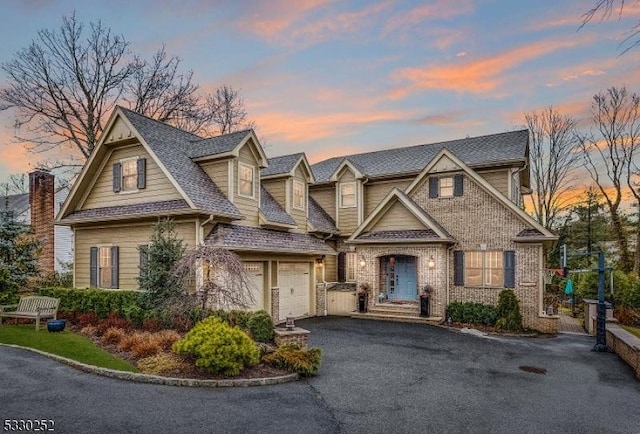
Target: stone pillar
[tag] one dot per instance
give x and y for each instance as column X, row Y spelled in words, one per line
column 275, row 305
column 41, row 201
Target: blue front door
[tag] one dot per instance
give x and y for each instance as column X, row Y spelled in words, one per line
column 401, row 278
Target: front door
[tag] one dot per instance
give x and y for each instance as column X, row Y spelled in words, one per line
column 401, row 278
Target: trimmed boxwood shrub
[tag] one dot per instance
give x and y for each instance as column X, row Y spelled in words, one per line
column 472, row 313
column 305, row 362
column 260, row 325
column 218, row 348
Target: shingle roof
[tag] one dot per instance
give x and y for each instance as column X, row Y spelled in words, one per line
column 18, row 203
column 272, row 210
column 320, row 219
column 281, row 165
column 473, row 151
column 244, row 238
column 137, row 209
column 172, row 147
column 400, row 235
column 216, row 145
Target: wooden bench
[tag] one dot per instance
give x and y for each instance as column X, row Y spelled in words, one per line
column 32, row 307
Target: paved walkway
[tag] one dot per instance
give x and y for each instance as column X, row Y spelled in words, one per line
column 569, row 324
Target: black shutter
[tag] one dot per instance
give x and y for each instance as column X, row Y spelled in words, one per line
column 117, row 177
column 509, row 269
column 433, row 187
column 458, row 182
column 93, row 267
column 458, row 268
column 114, row 267
column 342, row 267
column 142, row 173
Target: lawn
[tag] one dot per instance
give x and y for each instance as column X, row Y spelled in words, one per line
column 65, row 344
column 632, row 330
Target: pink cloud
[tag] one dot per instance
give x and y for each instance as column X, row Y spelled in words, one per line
column 440, row 9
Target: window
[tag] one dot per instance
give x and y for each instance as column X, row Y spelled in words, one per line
column 446, row 187
column 298, row 194
column 484, row 268
column 352, row 262
column 103, row 267
column 348, row 195
column 129, row 175
column 245, row 180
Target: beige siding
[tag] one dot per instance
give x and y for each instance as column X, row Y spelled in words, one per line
column 376, row 191
column 277, row 189
column 119, row 131
column 398, row 217
column 127, row 238
column 299, row 215
column 347, row 217
column 331, row 265
column 247, row 206
column 218, row 171
column 499, row 179
column 158, row 185
column 341, row 302
column 326, row 198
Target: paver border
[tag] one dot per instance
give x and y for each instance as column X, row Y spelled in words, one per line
column 157, row 379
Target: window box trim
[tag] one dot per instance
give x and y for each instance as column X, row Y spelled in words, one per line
column 301, row 185
column 253, row 180
column 340, row 195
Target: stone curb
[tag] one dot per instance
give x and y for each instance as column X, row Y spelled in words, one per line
column 157, row 379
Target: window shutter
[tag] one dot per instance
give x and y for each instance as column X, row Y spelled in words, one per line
column 458, row 182
column 142, row 172
column 433, row 187
column 509, row 269
column 114, row 267
column 117, row 177
column 458, row 268
column 93, row 267
column 342, row 267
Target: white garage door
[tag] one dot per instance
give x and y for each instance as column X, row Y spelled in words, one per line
column 294, row 289
column 255, row 275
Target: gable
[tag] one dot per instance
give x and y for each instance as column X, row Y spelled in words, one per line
column 119, row 131
column 397, row 217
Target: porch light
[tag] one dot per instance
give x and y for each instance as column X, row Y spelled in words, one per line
column 363, row 263
column 431, row 264
column 320, row 261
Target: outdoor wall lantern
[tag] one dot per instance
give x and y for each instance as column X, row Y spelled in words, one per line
column 432, row 263
column 319, row 261
column 363, row 263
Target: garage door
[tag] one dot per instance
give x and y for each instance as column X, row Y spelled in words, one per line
column 294, row 289
column 255, row 276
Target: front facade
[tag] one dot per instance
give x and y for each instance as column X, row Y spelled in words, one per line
column 444, row 215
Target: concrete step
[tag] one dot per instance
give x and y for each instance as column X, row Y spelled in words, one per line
column 392, row 309
column 398, row 318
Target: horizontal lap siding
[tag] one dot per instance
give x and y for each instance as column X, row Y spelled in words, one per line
column 398, row 218
column 376, row 191
column 248, row 207
column 158, row 186
column 326, row 198
column 499, row 179
column 218, row 171
column 127, row 238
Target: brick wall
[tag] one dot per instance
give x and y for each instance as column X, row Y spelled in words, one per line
column 41, row 198
column 625, row 345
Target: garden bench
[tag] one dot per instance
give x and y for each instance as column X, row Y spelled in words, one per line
column 32, row 307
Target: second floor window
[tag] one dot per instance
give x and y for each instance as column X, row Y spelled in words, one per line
column 348, row 195
column 245, row 180
column 129, row 175
column 446, row 187
column 298, row 194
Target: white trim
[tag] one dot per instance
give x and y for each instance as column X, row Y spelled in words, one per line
column 301, row 185
column 345, row 163
column 92, row 183
column 253, row 180
column 230, row 183
column 440, row 178
column 355, row 194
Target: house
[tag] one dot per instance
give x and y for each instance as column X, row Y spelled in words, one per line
column 446, row 215
column 38, row 208
column 142, row 169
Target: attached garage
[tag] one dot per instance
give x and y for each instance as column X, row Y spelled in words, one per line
column 295, row 289
column 255, row 275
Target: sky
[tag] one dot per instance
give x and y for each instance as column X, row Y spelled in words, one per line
column 331, row 78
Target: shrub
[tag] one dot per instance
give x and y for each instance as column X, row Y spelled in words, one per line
column 162, row 364
column 472, row 313
column 113, row 320
column 260, row 325
column 218, row 348
column 305, row 362
column 152, row 325
column 239, row 318
column 87, row 319
column 112, row 336
column 509, row 316
column 89, row 330
column 145, row 345
column 128, row 341
column 127, row 303
column 166, row 338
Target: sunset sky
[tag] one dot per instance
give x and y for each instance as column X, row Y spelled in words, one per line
column 333, row 77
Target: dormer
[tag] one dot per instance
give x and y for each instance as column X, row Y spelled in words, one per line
column 348, row 181
column 287, row 179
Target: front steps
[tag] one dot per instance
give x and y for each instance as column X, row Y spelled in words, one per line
column 408, row 313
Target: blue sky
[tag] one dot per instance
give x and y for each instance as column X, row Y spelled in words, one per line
column 333, row 78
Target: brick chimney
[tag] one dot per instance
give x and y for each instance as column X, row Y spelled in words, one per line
column 42, row 200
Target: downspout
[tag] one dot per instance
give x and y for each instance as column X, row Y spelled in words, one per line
column 200, row 239
column 324, row 282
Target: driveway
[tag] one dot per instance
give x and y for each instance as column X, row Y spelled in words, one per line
column 376, row 377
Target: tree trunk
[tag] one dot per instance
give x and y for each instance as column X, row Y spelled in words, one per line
column 625, row 262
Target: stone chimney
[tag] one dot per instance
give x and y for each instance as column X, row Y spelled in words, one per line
column 42, row 201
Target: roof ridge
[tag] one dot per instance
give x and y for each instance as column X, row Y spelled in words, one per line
column 157, row 121
column 202, row 139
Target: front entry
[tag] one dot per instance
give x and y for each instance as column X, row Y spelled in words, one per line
column 400, row 278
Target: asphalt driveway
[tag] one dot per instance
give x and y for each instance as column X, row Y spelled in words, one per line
column 376, row 377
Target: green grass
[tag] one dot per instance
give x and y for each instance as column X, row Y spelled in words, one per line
column 632, row 330
column 65, row 344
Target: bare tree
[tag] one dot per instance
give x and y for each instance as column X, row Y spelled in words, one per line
column 553, row 155
column 221, row 281
column 63, row 84
column 227, row 110
column 609, row 155
column 604, row 9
